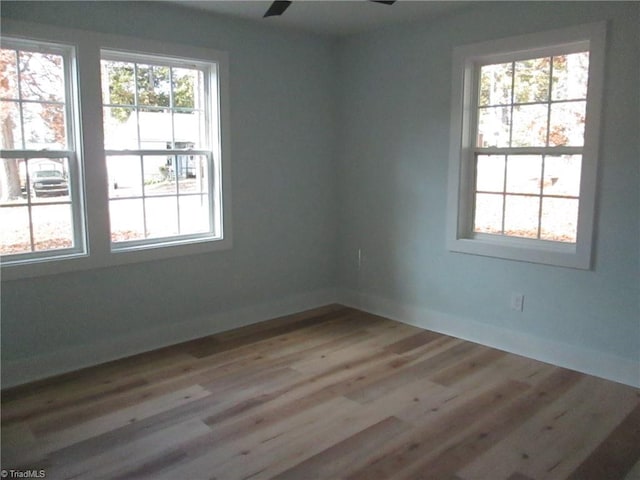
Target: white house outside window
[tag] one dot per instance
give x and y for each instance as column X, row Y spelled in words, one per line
column 524, row 146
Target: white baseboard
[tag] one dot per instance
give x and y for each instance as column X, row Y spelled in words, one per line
column 546, row 350
column 105, row 350
column 564, row 355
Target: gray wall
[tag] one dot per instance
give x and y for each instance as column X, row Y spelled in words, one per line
column 343, row 145
column 395, row 112
column 283, row 182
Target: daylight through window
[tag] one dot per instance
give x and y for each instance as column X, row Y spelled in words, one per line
column 40, row 199
column 537, row 105
column 160, row 164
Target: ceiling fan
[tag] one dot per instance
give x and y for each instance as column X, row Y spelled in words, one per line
column 279, row 6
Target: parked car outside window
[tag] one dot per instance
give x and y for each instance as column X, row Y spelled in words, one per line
column 49, row 182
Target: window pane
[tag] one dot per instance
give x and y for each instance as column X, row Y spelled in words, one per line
column 154, row 85
column 48, row 179
column 187, row 86
column 193, row 171
column 495, row 84
column 44, row 126
column 567, row 124
column 118, row 83
column 15, row 233
column 488, row 213
column 529, row 126
column 493, row 126
column 11, row 137
column 41, row 76
column 490, row 173
column 127, row 220
column 120, row 128
column 523, row 173
column 155, row 129
column 162, row 216
column 531, row 82
column 189, row 129
column 562, row 175
column 159, row 175
column 559, row 219
column 52, row 227
column 194, row 214
column 9, row 85
column 570, row 76
column 125, row 176
column 12, row 180
column 521, row 216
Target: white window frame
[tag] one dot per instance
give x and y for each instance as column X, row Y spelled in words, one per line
column 209, row 149
column 466, row 63
column 93, row 178
column 72, row 153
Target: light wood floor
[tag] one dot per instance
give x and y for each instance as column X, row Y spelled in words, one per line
column 328, row 394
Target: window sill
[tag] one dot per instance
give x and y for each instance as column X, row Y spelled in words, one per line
column 79, row 262
column 523, row 250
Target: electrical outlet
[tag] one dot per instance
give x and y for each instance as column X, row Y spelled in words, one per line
column 517, row 302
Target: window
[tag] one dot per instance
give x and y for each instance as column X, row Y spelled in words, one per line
column 158, row 134
column 524, row 146
column 40, row 206
column 140, row 172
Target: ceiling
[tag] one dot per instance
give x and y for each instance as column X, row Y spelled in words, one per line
column 331, row 17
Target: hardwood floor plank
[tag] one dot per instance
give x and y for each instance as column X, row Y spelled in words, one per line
column 44, row 404
column 483, row 358
column 492, row 428
column 20, row 446
column 76, row 433
column 553, row 441
column 337, row 355
column 348, row 454
column 414, row 341
column 84, row 381
column 128, row 455
column 277, row 455
column 152, row 468
column 76, row 413
column 519, row 476
column 248, row 452
column 634, row 473
column 431, row 438
column 616, row 455
column 522, row 369
column 372, row 389
column 103, row 441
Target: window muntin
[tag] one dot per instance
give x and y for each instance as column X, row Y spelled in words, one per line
column 40, row 206
column 159, row 129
